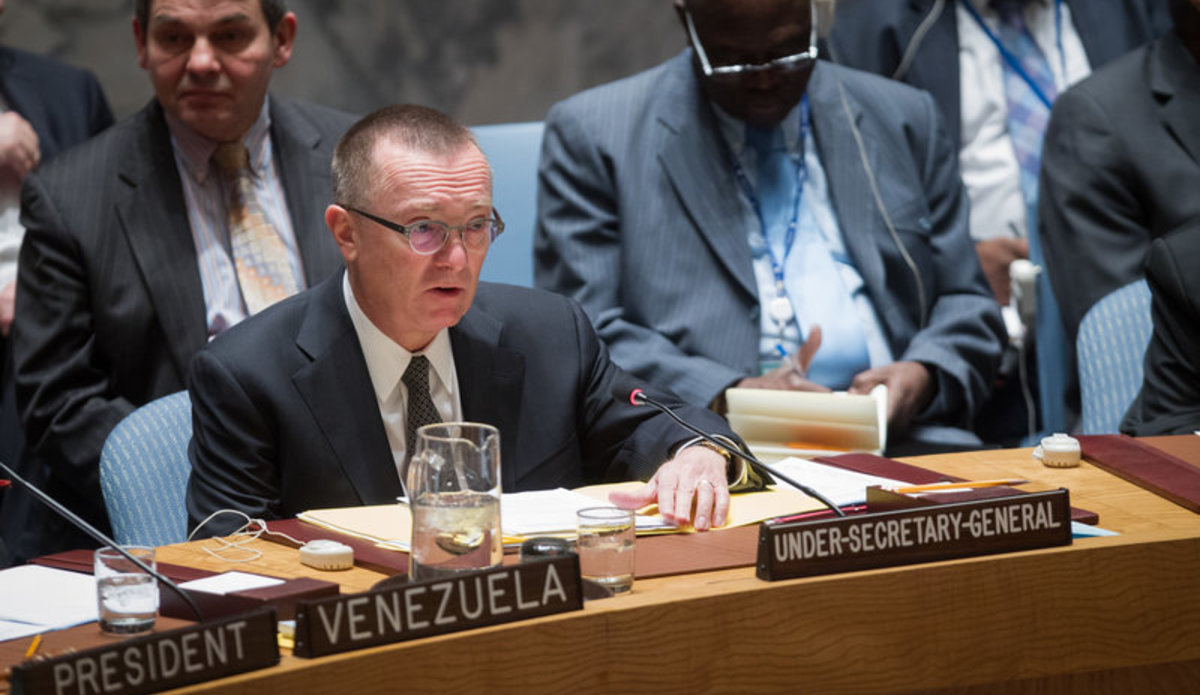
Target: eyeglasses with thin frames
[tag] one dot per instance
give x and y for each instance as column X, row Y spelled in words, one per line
column 427, row 237
column 787, row 63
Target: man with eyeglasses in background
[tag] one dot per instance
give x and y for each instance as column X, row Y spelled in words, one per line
column 314, row 403
column 718, row 217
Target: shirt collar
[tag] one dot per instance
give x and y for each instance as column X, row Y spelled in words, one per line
column 194, row 151
column 386, row 359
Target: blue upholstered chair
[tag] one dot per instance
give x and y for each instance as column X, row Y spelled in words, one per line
column 513, row 150
column 1111, row 347
column 144, row 471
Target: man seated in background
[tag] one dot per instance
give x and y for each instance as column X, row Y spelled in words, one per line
column 712, row 213
column 956, row 51
column 1169, row 402
column 1122, row 166
column 157, row 235
column 995, row 67
column 45, row 107
column 315, row 402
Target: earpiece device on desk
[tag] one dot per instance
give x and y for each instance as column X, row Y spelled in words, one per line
column 327, row 555
column 1058, row 451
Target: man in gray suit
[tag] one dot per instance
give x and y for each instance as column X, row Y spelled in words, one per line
column 703, row 255
column 128, row 266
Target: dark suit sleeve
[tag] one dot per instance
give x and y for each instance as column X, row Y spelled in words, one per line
column 1090, row 220
column 64, row 392
column 1169, row 402
column 578, row 249
column 962, row 338
column 234, row 461
column 622, row 441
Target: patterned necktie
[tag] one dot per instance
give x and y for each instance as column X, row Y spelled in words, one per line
column 1028, row 114
column 263, row 269
column 421, row 410
column 811, row 276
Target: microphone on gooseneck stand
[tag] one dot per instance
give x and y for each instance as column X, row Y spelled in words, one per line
column 639, row 397
column 100, row 537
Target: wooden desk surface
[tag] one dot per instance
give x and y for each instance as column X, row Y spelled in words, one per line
column 1105, row 615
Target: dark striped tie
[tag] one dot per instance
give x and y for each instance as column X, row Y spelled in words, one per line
column 421, row 410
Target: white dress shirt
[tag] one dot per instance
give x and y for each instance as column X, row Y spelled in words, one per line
column 387, row 362
column 986, row 157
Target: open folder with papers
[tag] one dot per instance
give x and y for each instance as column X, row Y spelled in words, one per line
column 552, row 512
column 778, row 424
column 523, row 515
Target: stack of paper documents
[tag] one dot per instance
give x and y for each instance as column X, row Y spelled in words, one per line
column 552, row 512
column 522, row 515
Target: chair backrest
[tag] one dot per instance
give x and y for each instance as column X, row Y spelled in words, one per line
column 1111, row 347
column 513, row 150
column 144, row 471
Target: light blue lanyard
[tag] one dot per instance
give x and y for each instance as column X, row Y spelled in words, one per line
column 1012, row 60
column 801, row 175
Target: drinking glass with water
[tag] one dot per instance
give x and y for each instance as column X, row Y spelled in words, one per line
column 127, row 595
column 606, row 537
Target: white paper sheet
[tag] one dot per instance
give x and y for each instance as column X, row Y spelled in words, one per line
column 46, row 597
column 841, row 486
column 227, row 582
column 548, row 512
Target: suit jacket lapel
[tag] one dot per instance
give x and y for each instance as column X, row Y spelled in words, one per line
column 849, row 188
column 304, row 171
column 152, row 213
column 336, row 387
column 1175, row 79
column 696, row 161
column 490, row 379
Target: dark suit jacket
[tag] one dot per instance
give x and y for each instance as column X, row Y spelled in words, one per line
column 109, row 291
column 286, row 419
column 1120, row 167
column 873, row 35
column 640, row 220
column 65, row 106
column 1169, row 402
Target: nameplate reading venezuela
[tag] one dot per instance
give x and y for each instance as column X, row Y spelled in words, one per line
column 160, row 661
column 938, row 532
column 421, row 609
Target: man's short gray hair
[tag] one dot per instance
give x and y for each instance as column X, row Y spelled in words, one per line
column 415, row 127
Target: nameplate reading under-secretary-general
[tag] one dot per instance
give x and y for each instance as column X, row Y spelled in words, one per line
column 157, row 662
column 421, row 609
column 925, row 534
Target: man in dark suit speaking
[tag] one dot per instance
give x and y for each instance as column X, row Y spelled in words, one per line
column 155, row 236
column 314, row 403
